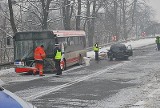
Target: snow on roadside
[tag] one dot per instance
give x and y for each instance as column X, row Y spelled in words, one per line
column 6, row 71
column 134, row 44
column 141, row 42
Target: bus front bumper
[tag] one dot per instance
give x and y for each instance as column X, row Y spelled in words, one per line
column 25, row 69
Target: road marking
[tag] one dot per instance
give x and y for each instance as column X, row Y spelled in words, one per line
column 57, row 88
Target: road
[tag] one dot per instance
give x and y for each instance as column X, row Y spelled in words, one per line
column 103, row 84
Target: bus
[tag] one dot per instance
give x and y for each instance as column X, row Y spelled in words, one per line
column 73, row 45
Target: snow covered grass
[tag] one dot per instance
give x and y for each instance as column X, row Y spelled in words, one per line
column 6, row 71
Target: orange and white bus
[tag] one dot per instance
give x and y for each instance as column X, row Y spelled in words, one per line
column 73, row 45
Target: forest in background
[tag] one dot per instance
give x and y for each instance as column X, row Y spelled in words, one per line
column 100, row 19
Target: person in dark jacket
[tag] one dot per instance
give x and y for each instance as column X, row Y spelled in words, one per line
column 158, row 42
column 57, row 56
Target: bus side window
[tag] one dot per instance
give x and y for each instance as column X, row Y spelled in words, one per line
column 68, row 41
column 62, row 41
column 83, row 41
column 65, row 41
column 56, row 40
column 72, row 41
column 80, row 41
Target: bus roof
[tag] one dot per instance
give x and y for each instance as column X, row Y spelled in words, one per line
column 33, row 35
column 22, row 32
column 67, row 33
column 58, row 33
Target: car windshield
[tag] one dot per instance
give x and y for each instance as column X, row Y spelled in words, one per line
column 118, row 47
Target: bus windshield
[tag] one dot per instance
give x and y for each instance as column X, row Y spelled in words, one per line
column 25, row 43
column 25, row 49
column 71, row 42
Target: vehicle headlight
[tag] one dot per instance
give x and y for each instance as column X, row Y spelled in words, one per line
column 19, row 63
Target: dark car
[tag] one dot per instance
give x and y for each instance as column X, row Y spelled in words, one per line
column 119, row 51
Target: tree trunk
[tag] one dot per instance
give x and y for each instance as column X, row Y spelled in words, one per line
column 78, row 16
column 91, row 22
column 66, row 14
column 92, row 26
column 45, row 9
column 88, row 24
column 115, row 21
column 124, row 20
column 14, row 29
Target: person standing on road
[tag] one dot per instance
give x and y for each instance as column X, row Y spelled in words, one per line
column 39, row 56
column 96, row 50
column 57, row 56
column 158, row 42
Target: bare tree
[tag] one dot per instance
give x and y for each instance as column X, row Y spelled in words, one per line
column 101, row 19
column 45, row 9
column 92, row 8
column 12, row 16
column 67, row 10
column 78, row 20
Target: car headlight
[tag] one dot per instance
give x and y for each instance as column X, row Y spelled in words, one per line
column 19, row 63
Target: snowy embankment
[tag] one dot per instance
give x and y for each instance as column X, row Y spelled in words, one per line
column 134, row 44
column 4, row 72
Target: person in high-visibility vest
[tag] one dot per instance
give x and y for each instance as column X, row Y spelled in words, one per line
column 96, row 50
column 39, row 56
column 57, row 56
column 158, row 42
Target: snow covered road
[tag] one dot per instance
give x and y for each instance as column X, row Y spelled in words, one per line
column 116, row 84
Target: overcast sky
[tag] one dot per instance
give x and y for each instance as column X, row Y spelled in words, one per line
column 156, row 6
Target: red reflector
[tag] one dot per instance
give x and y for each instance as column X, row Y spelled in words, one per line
column 25, row 69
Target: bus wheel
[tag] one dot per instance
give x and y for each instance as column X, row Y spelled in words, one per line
column 63, row 64
column 80, row 59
